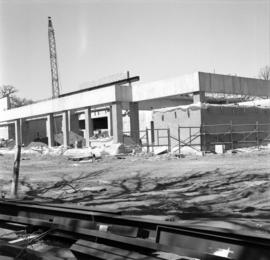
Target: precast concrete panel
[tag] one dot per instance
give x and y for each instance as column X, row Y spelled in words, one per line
column 184, row 118
column 4, row 103
column 215, row 83
column 123, row 93
column 166, row 88
column 91, row 98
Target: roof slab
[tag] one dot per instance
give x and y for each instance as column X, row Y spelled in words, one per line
column 169, row 89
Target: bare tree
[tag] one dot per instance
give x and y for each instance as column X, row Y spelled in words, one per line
column 264, row 73
column 7, row 90
column 15, row 101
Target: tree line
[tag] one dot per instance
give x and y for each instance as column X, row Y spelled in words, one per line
column 15, row 101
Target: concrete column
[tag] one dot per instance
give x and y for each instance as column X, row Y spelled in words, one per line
column 199, row 97
column 117, row 122
column 65, row 129
column 25, row 133
column 134, row 121
column 50, row 130
column 18, row 132
column 110, row 122
column 89, row 129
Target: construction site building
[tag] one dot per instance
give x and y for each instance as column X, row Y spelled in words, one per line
column 125, row 105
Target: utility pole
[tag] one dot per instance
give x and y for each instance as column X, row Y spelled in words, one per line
column 53, row 60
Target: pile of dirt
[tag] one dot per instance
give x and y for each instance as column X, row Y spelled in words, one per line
column 36, row 145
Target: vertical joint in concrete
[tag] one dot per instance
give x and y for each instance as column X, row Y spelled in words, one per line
column 89, row 129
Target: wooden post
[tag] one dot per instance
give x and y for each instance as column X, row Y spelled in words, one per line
column 147, row 139
column 257, row 134
column 204, row 139
column 169, row 140
column 190, row 136
column 16, row 170
column 231, row 135
column 179, row 141
column 152, row 135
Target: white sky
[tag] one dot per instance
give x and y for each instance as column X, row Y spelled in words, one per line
column 153, row 39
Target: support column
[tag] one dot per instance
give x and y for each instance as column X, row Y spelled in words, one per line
column 117, row 122
column 50, row 130
column 110, row 122
column 18, row 132
column 25, row 136
column 89, row 129
column 134, row 121
column 65, row 129
column 199, row 97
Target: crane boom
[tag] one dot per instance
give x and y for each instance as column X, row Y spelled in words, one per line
column 53, row 60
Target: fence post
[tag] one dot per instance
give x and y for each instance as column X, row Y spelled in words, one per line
column 16, row 170
column 257, row 134
column 203, row 141
column 147, row 139
column 169, row 140
column 152, row 129
column 179, row 141
column 231, row 126
column 189, row 135
column 157, row 137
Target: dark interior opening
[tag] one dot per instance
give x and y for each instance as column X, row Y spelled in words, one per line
column 98, row 123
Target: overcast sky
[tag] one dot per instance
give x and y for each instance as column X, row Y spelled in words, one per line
column 152, row 39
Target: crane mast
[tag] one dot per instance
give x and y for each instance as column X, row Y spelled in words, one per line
column 53, row 60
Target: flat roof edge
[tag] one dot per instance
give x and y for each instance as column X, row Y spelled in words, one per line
column 123, row 81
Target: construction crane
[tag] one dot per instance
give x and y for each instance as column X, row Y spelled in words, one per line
column 53, row 60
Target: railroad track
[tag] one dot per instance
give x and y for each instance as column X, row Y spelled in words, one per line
column 97, row 234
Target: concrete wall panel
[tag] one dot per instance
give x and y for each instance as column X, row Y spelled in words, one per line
column 4, row 103
column 215, row 83
column 165, row 88
column 174, row 118
column 91, row 98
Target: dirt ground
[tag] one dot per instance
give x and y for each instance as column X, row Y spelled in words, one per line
column 234, row 188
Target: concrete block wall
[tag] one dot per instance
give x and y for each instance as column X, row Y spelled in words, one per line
column 243, row 120
column 216, row 121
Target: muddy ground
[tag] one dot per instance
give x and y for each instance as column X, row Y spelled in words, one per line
column 233, row 187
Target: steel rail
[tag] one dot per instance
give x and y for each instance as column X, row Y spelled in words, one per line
column 136, row 244
column 143, row 224
column 169, row 237
column 57, row 205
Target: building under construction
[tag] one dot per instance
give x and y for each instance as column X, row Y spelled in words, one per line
column 122, row 107
column 125, row 107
